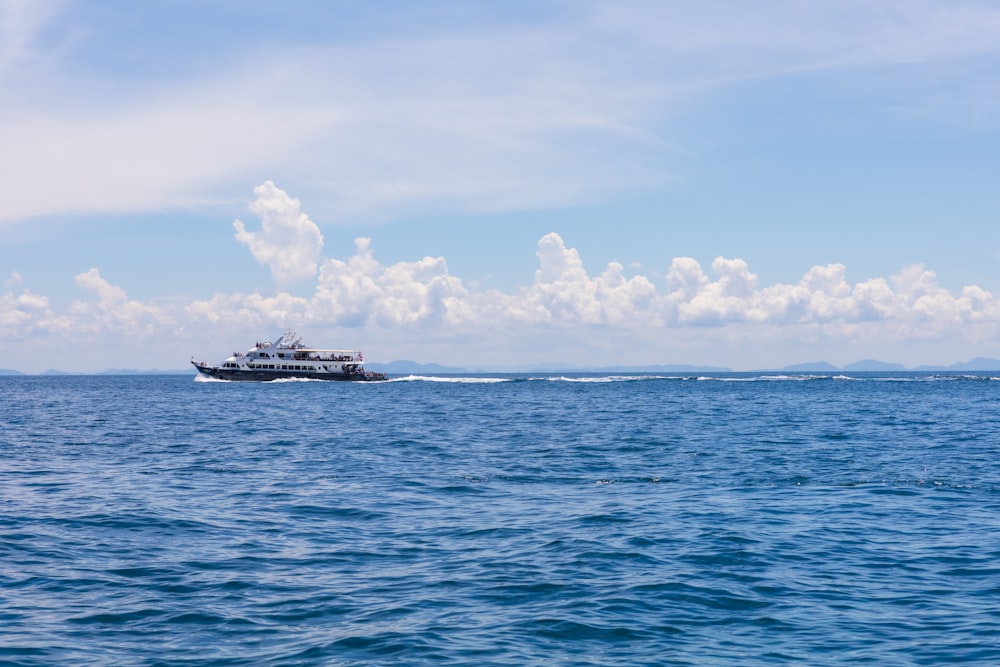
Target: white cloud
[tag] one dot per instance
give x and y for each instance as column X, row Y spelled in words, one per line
column 289, row 242
column 113, row 312
column 21, row 315
column 25, row 315
column 564, row 294
column 424, row 299
column 242, row 312
column 566, row 310
column 421, row 303
column 361, row 291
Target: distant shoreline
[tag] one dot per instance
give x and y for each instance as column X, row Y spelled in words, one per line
column 410, row 367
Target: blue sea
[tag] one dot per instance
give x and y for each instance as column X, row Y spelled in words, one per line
column 735, row 519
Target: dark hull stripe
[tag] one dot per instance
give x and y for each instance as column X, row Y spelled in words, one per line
column 269, row 375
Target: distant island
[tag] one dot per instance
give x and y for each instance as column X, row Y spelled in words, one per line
column 406, row 367
column 865, row 365
column 873, row 365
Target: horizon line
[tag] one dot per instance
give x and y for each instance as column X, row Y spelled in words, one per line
column 407, row 366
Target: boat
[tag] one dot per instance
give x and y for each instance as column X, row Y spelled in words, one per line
column 286, row 358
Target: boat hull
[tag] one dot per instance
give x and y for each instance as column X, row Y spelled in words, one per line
column 269, row 375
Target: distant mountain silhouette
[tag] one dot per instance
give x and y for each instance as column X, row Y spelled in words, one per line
column 811, row 366
column 405, row 366
column 869, row 365
column 977, row 364
column 662, row 368
column 133, row 371
column 873, row 365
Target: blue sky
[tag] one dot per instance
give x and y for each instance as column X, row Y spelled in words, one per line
column 500, row 184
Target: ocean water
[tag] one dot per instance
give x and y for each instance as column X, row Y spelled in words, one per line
column 739, row 519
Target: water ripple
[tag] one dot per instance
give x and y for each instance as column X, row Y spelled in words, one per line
column 571, row 521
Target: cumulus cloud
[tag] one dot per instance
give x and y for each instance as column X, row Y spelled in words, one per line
column 113, row 311
column 423, row 298
column 421, row 302
column 564, row 293
column 110, row 311
column 247, row 311
column 288, row 242
column 23, row 314
column 420, row 293
column 701, row 301
column 911, row 301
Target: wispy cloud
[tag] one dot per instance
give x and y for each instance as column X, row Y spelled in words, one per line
column 21, row 21
column 497, row 118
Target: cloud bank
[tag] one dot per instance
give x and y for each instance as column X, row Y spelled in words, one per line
column 422, row 303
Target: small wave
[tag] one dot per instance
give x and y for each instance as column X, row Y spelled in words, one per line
column 937, row 377
column 455, row 380
column 963, row 378
column 603, row 379
column 608, row 378
column 763, row 378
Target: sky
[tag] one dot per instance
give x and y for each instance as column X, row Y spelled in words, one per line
column 500, row 185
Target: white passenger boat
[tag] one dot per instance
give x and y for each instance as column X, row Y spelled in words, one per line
column 287, row 357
